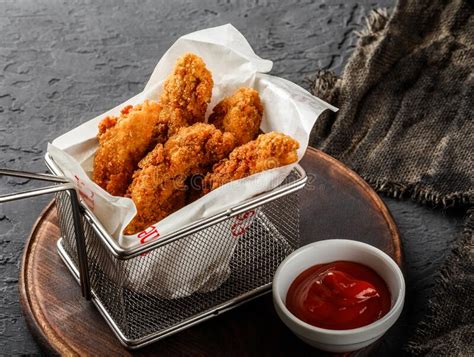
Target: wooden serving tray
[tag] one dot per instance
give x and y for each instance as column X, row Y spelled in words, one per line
column 336, row 203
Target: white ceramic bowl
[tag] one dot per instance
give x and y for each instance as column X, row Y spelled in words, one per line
column 325, row 252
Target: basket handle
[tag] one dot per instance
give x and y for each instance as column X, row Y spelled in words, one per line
column 61, row 184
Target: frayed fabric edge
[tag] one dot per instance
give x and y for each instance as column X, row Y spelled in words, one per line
column 464, row 249
column 419, row 194
column 375, row 22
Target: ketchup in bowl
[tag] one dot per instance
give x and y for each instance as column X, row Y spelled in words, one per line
column 340, row 295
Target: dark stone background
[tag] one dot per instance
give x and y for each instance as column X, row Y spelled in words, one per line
column 64, row 62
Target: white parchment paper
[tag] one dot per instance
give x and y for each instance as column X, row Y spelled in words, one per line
column 288, row 109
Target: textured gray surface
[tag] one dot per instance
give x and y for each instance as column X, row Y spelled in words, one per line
column 62, row 63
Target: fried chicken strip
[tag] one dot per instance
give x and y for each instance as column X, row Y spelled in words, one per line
column 239, row 114
column 268, row 151
column 159, row 186
column 125, row 140
column 186, row 94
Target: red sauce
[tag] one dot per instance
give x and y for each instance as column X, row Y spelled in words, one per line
column 339, row 296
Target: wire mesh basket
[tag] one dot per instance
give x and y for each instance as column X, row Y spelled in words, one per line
column 136, row 304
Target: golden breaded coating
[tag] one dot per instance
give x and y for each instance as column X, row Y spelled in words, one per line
column 186, row 94
column 155, row 192
column 268, row 151
column 158, row 188
column 125, row 140
column 239, row 114
column 188, row 91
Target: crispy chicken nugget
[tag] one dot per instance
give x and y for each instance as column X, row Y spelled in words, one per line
column 159, row 186
column 268, row 151
column 125, row 140
column 188, row 90
column 239, row 114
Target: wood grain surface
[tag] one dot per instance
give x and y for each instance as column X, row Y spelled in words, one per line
column 336, row 203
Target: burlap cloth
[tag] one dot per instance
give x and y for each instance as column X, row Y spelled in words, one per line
column 406, row 125
column 448, row 330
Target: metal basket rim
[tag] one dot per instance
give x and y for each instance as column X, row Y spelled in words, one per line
column 121, row 253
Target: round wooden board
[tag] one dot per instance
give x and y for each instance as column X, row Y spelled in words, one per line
column 336, row 203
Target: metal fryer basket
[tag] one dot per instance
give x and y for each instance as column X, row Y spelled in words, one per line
column 267, row 229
